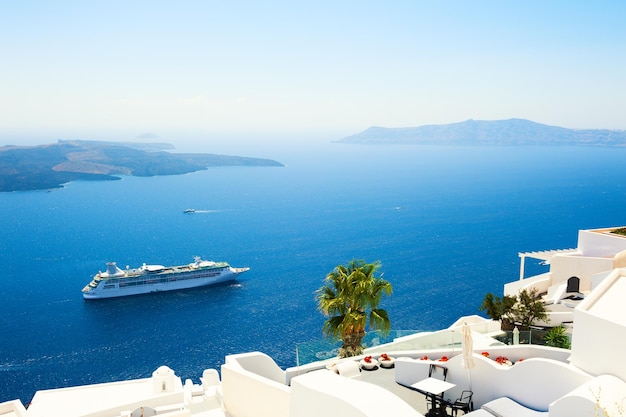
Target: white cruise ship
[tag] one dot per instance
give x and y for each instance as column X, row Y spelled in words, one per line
column 511, row 380
column 115, row 282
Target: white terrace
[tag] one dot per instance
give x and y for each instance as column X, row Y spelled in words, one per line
column 573, row 273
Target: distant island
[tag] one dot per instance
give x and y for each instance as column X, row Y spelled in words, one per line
column 511, row 132
column 50, row 166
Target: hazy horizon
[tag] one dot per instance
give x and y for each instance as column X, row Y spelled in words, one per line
column 272, row 73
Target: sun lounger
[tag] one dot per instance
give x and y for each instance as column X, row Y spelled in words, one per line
column 506, row 407
column 555, row 293
column 479, row 413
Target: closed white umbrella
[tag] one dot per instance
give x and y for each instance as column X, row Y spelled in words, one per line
column 468, row 351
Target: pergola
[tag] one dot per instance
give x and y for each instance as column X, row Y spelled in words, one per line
column 545, row 256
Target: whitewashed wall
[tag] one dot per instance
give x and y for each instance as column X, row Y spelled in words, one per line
column 593, row 243
column 325, row 394
column 600, row 335
column 534, row 382
column 253, row 394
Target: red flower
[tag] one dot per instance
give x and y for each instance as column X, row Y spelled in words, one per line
column 424, row 358
column 367, row 359
column 384, row 357
column 485, row 354
column 502, row 359
column 443, row 359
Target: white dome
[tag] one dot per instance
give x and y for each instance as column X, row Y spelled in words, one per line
column 619, row 260
column 163, row 371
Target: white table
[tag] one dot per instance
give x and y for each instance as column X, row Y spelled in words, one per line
column 434, row 388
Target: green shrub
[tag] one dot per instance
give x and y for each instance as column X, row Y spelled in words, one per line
column 556, row 337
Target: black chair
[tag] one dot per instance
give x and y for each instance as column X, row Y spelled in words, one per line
column 437, row 371
column 435, row 404
column 463, row 403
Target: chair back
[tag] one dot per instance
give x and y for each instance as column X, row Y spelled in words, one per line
column 466, row 397
column 463, row 403
column 437, row 371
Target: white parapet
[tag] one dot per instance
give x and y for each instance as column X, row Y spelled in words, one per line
column 325, row 393
column 12, row 409
column 254, row 386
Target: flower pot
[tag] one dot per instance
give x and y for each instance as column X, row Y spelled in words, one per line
column 387, row 363
column 373, row 363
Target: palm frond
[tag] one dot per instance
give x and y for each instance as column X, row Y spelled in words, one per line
column 349, row 293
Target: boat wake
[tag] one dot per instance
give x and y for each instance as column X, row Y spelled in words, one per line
column 195, row 211
column 9, row 367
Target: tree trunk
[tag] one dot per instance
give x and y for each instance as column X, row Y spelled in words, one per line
column 506, row 324
column 351, row 345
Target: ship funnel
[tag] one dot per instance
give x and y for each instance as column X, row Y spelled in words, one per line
column 113, row 270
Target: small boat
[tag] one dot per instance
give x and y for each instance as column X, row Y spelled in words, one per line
column 115, row 282
column 189, row 211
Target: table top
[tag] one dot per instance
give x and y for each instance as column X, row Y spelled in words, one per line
column 433, row 385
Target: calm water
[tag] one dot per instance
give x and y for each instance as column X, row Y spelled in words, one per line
column 447, row 224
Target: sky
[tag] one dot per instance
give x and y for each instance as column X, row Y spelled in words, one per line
column 222, row 70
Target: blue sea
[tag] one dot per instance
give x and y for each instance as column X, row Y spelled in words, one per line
column 447, row 224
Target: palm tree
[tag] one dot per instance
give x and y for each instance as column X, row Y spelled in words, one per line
column 350, row 295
